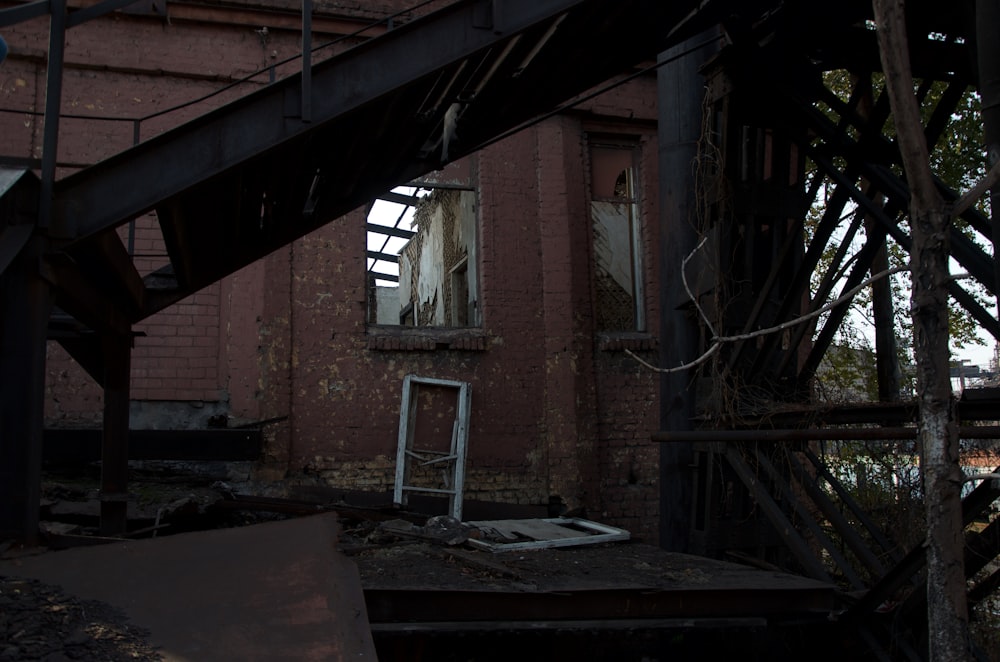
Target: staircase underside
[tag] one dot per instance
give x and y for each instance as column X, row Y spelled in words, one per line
column 252, row 176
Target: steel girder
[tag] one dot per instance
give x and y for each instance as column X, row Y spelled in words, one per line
column 237, row 183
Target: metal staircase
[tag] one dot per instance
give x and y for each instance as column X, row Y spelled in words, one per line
column 251, row 176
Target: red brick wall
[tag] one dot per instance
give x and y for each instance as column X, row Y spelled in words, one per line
column 551, row 413
column 627, row 393
column 570, row 395
column 178, row 357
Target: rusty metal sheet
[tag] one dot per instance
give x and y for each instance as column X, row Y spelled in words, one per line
column 271, row 591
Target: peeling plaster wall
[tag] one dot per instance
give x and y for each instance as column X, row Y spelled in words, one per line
column 446, row 222
column 424, row 255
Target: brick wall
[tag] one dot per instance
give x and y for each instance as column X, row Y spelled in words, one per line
column 129, row 74
column 556, row 409
column 628, row 394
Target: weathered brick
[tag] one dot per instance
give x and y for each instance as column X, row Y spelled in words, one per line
column 555, row 410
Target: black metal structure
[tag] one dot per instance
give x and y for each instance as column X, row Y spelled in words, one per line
column 747, row 95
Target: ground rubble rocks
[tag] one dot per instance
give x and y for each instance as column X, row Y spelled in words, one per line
column 40, row 622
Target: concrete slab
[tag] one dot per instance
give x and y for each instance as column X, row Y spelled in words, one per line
column 275, row 591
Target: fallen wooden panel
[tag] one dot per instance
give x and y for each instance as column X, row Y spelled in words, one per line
column 544, row 533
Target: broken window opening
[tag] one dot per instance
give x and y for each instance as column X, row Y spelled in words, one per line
column 422, row 258
column 617, row 236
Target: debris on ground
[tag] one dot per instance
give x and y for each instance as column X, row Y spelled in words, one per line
column 524, row 534
column 40, row 622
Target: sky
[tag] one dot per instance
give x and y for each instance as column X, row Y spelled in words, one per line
column 979, row 355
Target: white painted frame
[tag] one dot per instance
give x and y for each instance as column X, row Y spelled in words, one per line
column 405, row 453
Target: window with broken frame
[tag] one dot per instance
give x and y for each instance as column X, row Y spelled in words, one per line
column 421, row 258
column 617, row 236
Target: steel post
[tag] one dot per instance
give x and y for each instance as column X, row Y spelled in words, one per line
column 680, row 90
column 117, row 350
column 307, row 9
column 25, row 305
column 53, row 103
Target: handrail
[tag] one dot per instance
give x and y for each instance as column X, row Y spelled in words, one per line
column 63, row 19
column 26, row 12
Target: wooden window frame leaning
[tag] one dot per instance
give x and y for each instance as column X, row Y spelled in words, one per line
column 593, row 533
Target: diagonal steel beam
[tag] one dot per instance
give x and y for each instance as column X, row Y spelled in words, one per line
column 972, row 505
column 848, row 500
column 874, row 174
column 784, row 488
column 965, row 251
column 788, row 532
column 833, row 514
column 827, row 335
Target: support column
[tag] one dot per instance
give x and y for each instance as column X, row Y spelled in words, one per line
column 25, row 304
column 681, row 89
column 117, row 350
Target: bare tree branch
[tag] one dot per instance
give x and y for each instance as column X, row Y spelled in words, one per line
column 719, row 341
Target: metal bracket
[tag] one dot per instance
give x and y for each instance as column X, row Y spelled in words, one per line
column 488, row 15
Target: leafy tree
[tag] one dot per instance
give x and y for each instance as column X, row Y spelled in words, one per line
column 849, row 369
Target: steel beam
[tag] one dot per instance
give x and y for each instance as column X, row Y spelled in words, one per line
column 827, row 334
column 84, row 14
column 798, row 284
column 23, row 12
column 913, row 562
column 815, row 434
column 783, row 487
column 389, row 230
column 876, row 175
column 847, row 531
column 117, row 350
column 134, row 182
column 988, row 56
column 102, row 309
column 606, row 604
column 848, row 500
column 85, row 349
column 964, row 250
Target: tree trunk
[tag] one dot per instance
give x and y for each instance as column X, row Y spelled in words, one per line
column 947, row 613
